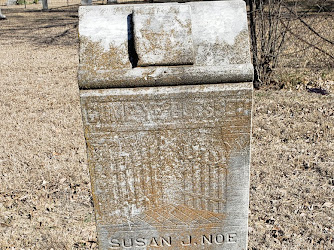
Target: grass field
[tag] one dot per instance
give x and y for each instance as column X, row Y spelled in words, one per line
column 45, row 200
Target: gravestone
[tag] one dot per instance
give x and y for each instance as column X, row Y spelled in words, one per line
column 86, row 2
column 45, row 4
column 166, row 97
column 2, row 16
column 11, row 2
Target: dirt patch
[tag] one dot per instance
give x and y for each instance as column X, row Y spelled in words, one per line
column 45, row 199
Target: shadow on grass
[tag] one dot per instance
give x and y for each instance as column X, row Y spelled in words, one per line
column 57, row 26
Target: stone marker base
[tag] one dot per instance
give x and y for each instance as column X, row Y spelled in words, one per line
column 170, row 165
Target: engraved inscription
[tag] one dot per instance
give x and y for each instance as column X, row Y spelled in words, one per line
column 108, row 114
column 186, row 166
column 141, row 242
column 174, row 241
column 142, row 163
column 169, row 167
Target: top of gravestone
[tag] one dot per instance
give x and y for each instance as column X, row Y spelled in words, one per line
column 164, row 44
column 163, row 35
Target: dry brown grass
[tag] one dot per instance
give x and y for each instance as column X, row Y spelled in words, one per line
column 45, row 199
column 44, row 189
column 292, row 179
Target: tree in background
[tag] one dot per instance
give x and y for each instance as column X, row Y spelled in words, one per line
column 274, row 23
column 267, row 37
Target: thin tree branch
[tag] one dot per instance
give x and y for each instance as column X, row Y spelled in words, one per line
column 308, row 26
column 308, row 43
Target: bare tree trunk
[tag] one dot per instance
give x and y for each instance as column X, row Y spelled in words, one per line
column 2, row 16
column 252, row 21
column 45, row 4
column 267, row 37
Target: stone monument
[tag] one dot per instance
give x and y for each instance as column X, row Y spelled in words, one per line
column 166, row 97
column 86, row 2
column 2, row 16
column 11, row 2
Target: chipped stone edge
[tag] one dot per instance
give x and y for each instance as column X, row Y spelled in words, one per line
column 166, row 89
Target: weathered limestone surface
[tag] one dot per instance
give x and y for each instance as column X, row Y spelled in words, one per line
column 169, row 165
column 163, row 35
column 170, row 162
column 220, row 45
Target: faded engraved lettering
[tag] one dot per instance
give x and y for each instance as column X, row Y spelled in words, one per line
column 163, row 163
column 150, row 111
column 174, row 241
column 135, row 178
